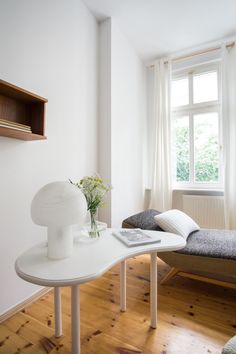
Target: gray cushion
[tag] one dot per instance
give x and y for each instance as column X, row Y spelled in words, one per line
column 230, row 346
column 144, row 220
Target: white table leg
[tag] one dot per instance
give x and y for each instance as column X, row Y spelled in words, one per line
column 57, row 311
column 75, row 319
column 153, row 290
column 123, row 286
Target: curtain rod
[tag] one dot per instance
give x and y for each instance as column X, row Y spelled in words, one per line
column 230, row 45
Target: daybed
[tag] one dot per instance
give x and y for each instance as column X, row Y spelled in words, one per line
column 208, row 254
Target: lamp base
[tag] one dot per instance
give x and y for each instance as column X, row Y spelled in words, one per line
column 60, row 242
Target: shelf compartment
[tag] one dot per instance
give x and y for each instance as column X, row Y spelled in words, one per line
column 21, row 106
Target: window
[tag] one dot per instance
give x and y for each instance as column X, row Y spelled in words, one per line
column 196, row 123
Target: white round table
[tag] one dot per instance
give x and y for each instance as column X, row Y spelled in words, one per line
column 88, row 262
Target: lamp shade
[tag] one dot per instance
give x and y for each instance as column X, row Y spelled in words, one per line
column 59, row 204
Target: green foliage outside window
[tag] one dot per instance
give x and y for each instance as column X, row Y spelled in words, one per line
column 182, row 154
column 206, row 156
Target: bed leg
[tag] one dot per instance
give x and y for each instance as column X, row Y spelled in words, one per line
column 172, row 272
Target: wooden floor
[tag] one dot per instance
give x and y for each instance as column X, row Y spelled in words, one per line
column 193, row 318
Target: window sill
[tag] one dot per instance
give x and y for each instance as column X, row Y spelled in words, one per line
column 218, row 191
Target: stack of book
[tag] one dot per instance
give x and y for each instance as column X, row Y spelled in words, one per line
column 13, row 125
column 136, row 237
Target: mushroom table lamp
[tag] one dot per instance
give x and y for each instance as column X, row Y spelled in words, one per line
column 59, row 205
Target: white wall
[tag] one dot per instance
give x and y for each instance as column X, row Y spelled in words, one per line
column 123, row 109
column 104, row 117
column 50, row 48
column 128, row 128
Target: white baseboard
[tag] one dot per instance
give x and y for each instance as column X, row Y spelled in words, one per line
column 23, row 304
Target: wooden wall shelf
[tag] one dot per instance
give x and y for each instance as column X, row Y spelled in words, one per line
column 18, row 109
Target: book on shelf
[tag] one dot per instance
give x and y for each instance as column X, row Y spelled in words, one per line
column 16, row 128
column 10, row 124
column 135, row 237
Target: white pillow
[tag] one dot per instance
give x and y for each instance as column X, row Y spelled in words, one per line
column 177, row 222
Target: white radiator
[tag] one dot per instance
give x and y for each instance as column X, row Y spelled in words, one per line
column 207, row 211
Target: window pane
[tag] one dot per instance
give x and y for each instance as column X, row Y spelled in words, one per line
column 205, row 87
column 181, row 144
column 206, row 147
column 180, row 95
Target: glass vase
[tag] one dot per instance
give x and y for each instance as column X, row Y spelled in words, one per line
column 93, row 231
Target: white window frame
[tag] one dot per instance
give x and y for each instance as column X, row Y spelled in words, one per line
column 195, row 108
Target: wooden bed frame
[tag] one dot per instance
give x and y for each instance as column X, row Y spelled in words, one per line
column 174, row 271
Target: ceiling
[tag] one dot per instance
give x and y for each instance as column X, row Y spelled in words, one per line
column 159, row 27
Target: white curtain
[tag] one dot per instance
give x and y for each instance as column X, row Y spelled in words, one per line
column 229, row 134
column 161, row 191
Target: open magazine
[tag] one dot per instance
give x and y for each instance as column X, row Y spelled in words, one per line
column 134, row 237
